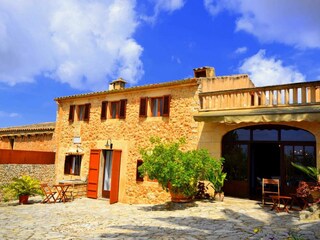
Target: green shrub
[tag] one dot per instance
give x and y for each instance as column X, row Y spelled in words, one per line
column 166, row 163
column 24, row 185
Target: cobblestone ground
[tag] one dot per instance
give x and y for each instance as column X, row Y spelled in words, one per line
column 96, row 219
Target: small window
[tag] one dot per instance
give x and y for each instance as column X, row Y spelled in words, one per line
column 114, row 110
column 83, row 112
column 118, row 109
column 157, row 107
column 160, row 106
column 139, row 178
column 72, row 164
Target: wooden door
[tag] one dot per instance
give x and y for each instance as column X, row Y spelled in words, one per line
column 93, row 177
column 115, row 176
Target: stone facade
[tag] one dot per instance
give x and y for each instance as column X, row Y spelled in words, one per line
column 129, row 134
column 133, row 132
column 35, row 137
column 42, row 172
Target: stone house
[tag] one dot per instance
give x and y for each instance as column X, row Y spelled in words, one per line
column 259, row 131
column 28, row 150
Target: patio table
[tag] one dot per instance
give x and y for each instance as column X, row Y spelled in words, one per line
column 62, row 191
column 278, row 200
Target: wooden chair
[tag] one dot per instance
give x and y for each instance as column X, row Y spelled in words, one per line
column 270, row 187
column 48, row 194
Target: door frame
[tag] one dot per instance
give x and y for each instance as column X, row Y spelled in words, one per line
column 95, row 174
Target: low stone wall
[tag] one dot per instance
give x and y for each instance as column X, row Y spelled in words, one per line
column 42, row 172
column 78, row 188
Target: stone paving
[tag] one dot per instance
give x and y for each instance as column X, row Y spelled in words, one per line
column 96, row 219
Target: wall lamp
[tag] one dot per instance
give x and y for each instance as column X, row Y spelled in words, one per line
column 109, row 144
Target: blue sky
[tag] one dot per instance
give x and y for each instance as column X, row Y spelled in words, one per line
column 57, row 48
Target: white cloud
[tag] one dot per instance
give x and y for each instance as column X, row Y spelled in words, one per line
column 10, row 115
column 293, row 22
column 265, row 71
column 241, row 50
column 83, row 43
column 175, row 59
column 163, row 6
column 169, row 5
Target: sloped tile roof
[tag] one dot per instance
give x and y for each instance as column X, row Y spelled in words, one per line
column 46, row 127
column 136, row 88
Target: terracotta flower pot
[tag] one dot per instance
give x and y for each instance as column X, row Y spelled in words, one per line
column 23, row 199
column 180, row 198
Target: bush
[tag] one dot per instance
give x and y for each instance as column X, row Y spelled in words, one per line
column 24, row 185
column 182, row 170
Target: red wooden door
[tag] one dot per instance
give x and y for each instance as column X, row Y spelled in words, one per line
column 115, row 176
column 93, row 174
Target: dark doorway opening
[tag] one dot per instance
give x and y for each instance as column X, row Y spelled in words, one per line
column 265, row 151
column 265, row 163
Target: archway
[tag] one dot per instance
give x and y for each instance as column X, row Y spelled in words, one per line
column 265, row 151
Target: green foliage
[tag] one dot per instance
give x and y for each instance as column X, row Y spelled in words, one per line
column 312, row 172
column 217, row 177
column 24, row 185
column 166, row 163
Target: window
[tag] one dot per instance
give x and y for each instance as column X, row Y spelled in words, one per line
column 159, row 106
column 83, row 112
column 139, row 178
column 114, row 110
column 118, row 109
column 72, row 164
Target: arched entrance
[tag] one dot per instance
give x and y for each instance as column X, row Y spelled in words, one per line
column 265, row 151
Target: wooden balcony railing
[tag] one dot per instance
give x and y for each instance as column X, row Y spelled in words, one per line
column 296, row 94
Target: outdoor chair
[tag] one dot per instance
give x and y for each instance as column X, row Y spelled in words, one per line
column 270, row 187
column 48, row 194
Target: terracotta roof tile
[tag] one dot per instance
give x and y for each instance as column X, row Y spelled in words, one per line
column 136, row 88
column 46, row 126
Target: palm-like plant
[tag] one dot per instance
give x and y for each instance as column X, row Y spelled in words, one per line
column 312, row 172
column 23, row 186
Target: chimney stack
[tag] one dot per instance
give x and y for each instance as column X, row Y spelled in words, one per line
column 208, row 72
column 117, row 84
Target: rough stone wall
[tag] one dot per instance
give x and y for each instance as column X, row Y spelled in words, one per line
column 42, row 172
column 40, row 142
column 129, row 135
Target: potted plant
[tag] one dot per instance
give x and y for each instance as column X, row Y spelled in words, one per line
column 216, row 177
column 21, row 188
column 314, row 174
column 175, row 170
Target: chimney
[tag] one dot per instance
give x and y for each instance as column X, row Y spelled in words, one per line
column 208, row 72
column 117, row 84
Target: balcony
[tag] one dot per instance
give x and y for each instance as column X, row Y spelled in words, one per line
column 289, row 102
